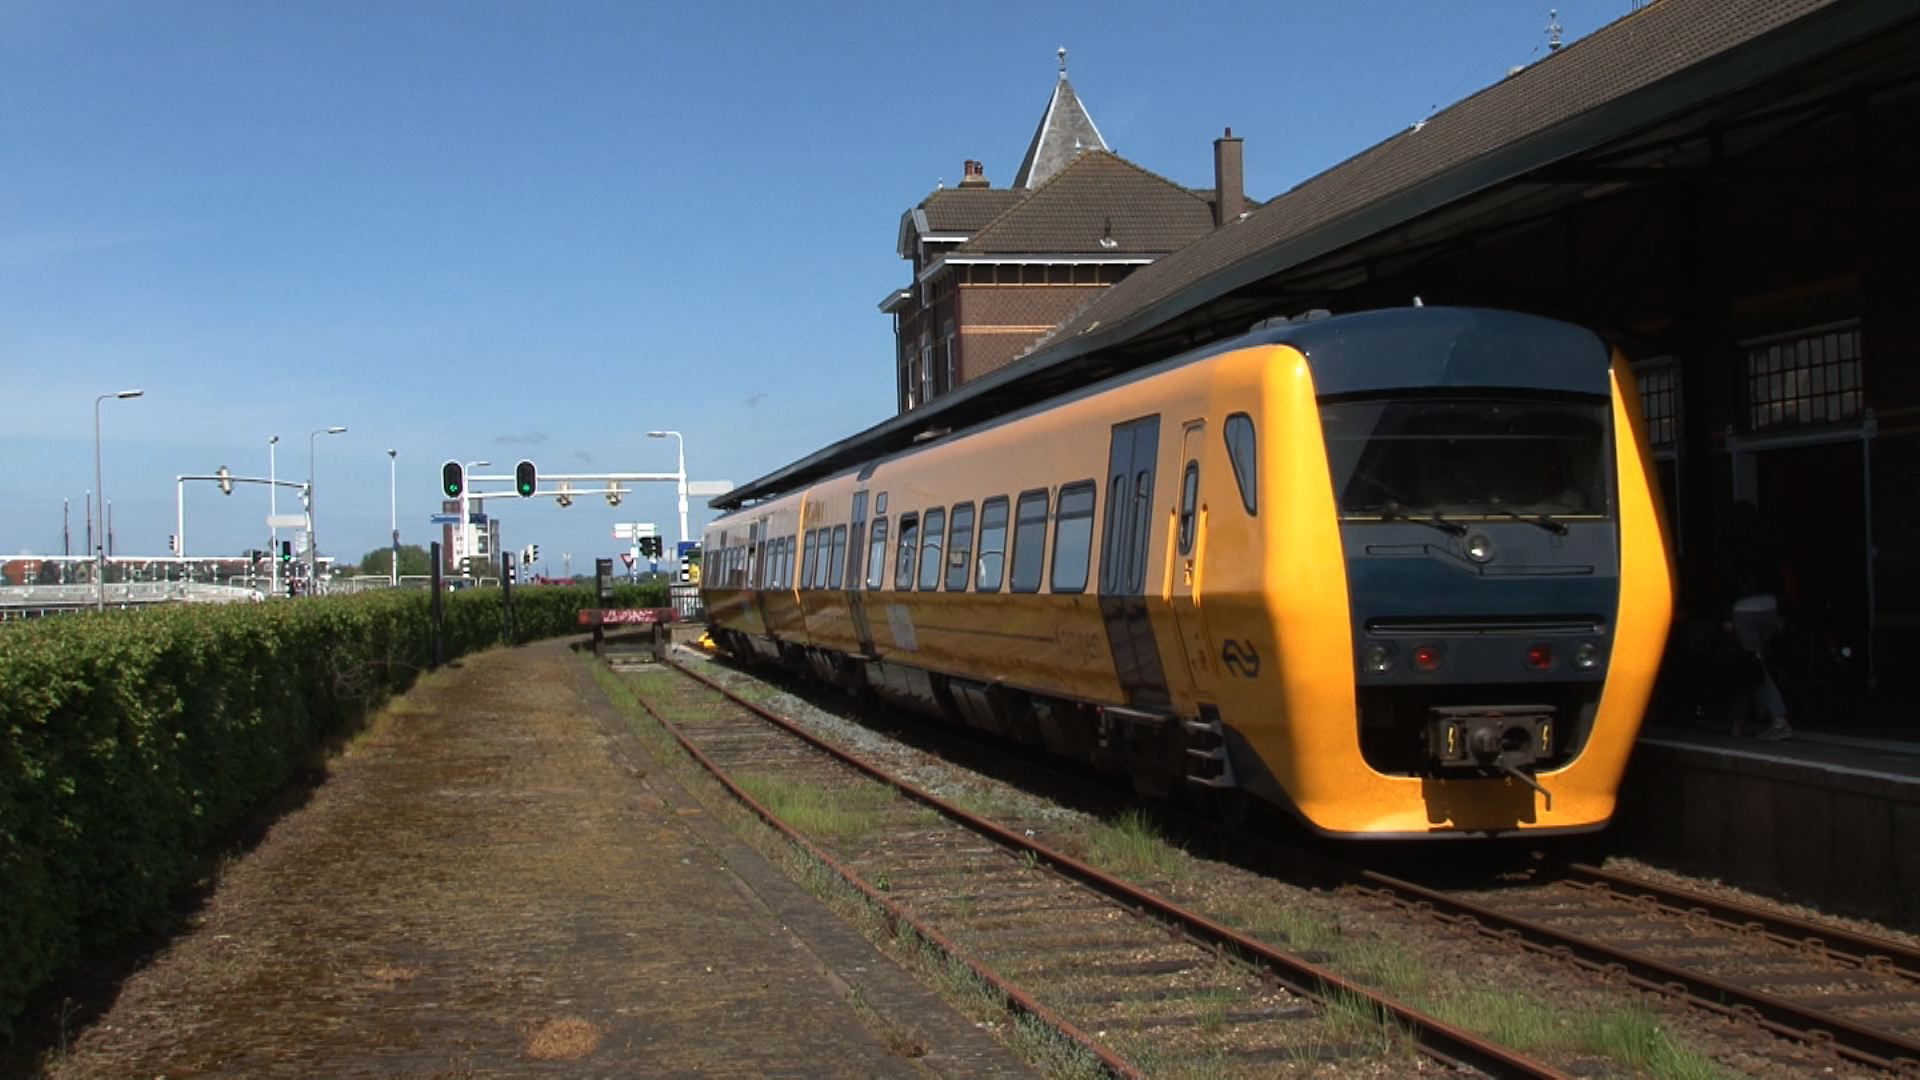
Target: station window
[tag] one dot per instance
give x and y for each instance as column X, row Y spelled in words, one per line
column 1811, row 377
column 1189, row 503
column 1660, row 401
column 877, row 554
column 1073, row 537
column 936, row 526
column 1029, row 541
column 839, row 557
column 903, row 564
column 993, row 544
column 960, row 548
column 1246, row 462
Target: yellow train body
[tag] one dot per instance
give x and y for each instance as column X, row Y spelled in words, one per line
column 1205, row 623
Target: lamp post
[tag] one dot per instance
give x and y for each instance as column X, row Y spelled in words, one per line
column 313, row 561
column 273, row 527
column 393, row 516
column 466, row 518
column 99, row 550
column 680, row 478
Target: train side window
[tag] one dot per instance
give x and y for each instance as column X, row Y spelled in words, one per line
column 903, row 564
column 960, row 548
column 1189, row 503
column 823, row 558
column 1142, row 530
column 839, row 557
column 1246, row 463
column 930, row 548
column 812, row 553
column 787, row 561
column 1029, row 541
column 877, row 554
column 1073, row 538
column 993, row 544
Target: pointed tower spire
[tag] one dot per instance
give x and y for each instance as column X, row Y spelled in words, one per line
column 1065, row 130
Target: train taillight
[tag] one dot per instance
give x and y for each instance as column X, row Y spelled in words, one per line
column 1540, row 657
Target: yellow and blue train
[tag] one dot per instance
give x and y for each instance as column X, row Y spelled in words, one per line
column 1400, row 572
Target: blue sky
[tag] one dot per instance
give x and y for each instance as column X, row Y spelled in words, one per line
column 541, row 229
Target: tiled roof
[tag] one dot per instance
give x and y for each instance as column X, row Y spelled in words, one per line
column 1065, row 130
column 1604, row 69
column 966, row 210
column 1098, row 196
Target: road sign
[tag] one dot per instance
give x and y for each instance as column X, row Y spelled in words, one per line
column 627, row 557
column 631, row 530
column 445, row 519
column 709, row 487
column 285, row 521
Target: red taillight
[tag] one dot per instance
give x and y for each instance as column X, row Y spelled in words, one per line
column 1540, row 657
column 1427, row 657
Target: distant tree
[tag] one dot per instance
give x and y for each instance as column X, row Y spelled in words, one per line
column 413, row 560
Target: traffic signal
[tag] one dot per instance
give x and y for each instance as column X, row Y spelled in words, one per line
column 525, row 479
column 226, row 480
column 614, row 493
column 530, row 554
column 466, row 566
column 453, row 479
column 173, row 543
column 650, row 546
column 286, row 551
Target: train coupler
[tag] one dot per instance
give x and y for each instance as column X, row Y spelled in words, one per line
column 1508, row 739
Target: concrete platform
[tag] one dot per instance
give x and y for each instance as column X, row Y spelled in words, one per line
column 1827, row 820
column 499, row 881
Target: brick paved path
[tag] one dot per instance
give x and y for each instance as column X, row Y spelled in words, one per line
column 497, row 881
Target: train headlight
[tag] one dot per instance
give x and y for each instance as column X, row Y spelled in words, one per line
column 1377, row 659
column 1479, row 547
column 1587, row 656
column 1427, row 657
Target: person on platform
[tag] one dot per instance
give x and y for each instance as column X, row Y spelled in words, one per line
column 1755, row 582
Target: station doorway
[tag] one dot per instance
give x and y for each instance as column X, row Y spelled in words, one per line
column 1812, row 492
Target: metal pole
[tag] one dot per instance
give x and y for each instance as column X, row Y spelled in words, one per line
column 99, row 546
column 180, row 516
column 273, row 530
column 313, row 551
column 393, row 516
column 680, row 477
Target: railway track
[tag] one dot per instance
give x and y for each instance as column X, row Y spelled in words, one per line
column 1144, row 985
column 1805, row 980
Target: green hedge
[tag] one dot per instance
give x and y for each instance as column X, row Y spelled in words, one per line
column 131, row 740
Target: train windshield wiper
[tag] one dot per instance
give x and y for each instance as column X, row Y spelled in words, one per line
column 1544, row 521
column 1432, row 520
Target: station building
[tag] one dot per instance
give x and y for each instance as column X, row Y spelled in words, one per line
column 994, row 269
column 1729, row 190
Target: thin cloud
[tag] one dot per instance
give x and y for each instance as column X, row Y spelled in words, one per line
column 531, row 438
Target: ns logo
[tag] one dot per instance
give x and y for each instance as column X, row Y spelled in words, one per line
column 1240, row 658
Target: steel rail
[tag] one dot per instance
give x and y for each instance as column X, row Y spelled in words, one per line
column 1450, row 1045
column 896, row 916
column 1871, row 1046
column 1788, row 929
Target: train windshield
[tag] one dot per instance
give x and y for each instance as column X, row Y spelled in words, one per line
column 1472, row 458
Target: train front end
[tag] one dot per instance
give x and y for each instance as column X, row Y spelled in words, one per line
column 1483, row 482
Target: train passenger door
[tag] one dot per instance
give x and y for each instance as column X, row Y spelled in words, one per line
column 856, row 577
column 1123, row 562
column 1186, row 549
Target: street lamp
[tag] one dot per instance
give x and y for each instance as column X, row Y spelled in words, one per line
column 393, row 516
column 680, row 476
column 273, row 527
column 99, row 549
column 313, row 563
column 466, row 518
